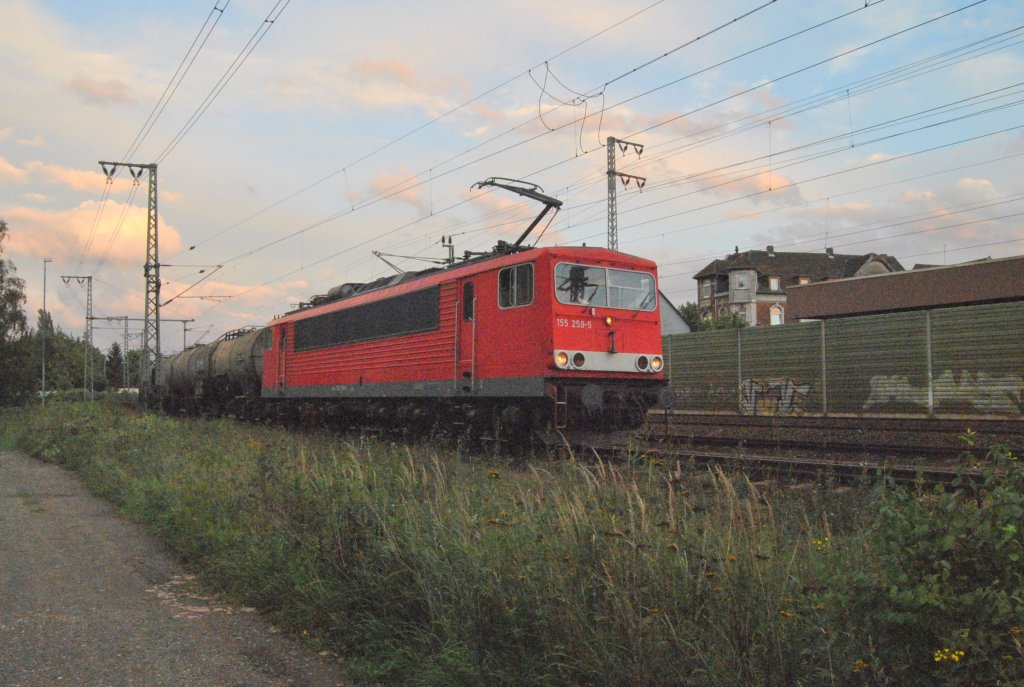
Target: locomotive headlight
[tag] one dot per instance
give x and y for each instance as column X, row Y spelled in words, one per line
column 579, row 360
column 562, row 359
column 608, row 320
column 643, row 363
column 657, row 363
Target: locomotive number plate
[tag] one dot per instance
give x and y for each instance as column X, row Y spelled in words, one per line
column 574, row 324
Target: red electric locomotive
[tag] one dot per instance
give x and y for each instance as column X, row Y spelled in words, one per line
column 565, row 338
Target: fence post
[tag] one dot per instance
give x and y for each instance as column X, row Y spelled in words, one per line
column 739, row 372
column 824, row 373
column 928, row 356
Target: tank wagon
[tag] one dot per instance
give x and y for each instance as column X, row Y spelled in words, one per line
column 565, row 338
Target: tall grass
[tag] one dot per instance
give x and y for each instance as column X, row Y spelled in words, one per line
column 423, row 567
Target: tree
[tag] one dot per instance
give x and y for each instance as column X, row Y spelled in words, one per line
column 12, row 295
column 115, row 366
column 703, row 319
column 15, row 345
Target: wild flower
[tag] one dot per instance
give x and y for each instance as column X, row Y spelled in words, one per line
column 859, row 665
column 947, row 654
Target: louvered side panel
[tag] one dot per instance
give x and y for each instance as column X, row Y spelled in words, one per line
column 426, row 356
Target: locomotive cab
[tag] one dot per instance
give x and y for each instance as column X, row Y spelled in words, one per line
column 606, row 360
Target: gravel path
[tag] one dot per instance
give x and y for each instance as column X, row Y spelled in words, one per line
column 89, row 599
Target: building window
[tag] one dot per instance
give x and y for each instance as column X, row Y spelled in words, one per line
column 775, row 315
column 515, row 286
column 705, row 290
column 741, row 281
column 805, row 280
column 773, row 283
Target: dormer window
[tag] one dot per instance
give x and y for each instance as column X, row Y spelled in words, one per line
column 774, row 284
column 804, row 280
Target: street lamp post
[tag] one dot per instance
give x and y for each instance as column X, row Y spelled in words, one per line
column 45, row 260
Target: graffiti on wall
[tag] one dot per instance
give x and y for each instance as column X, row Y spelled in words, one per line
column 985, row 393
column 782, row 396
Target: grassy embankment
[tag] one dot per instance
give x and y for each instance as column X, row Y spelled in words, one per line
column 423, row 568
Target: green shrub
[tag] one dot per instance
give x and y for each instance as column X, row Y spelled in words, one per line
column 945, row 596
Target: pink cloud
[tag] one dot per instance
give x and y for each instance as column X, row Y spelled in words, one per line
column 77, row 179
column 402, row 187
column 9, row 173
column 108, row 92
column 64, row 234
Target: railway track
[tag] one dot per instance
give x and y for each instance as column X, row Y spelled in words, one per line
column 841, row 448
column 926, row 438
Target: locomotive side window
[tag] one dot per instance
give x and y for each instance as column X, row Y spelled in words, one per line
column 515, row 286
column 601, row 286
column 409, row 313
column 468, row 301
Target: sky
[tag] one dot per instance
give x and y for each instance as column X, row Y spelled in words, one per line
column 293, row 138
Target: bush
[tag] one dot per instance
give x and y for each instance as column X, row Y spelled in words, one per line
column 945, row 596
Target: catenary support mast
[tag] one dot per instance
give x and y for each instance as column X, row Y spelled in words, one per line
column 150, row 358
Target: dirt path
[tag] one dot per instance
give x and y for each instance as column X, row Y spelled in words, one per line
column 88, row 599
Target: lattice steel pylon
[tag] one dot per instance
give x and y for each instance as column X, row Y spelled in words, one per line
column 613, row 212
column 88, row 385
column 149, row 361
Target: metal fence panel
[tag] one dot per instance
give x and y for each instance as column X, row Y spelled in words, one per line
column 877, row 364
column 978, row 360
column 945, row 362
column 780, row 370
column 703, row 370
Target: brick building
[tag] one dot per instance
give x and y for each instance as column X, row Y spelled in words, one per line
column 753, row 283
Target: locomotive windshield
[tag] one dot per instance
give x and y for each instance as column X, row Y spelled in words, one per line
column 603, row 286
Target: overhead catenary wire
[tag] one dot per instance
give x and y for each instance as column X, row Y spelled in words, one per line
column 438, row 211
column 452, row 111
column 202, row 36
column 272, row 16
column 399, row 188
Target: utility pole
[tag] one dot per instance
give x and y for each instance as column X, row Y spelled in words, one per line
column 150, row 358
column 613, row 219
column 43, row 392
column 87, row 372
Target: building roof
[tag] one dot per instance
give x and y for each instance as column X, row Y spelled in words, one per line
column 817, row 266
column 970, row 283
